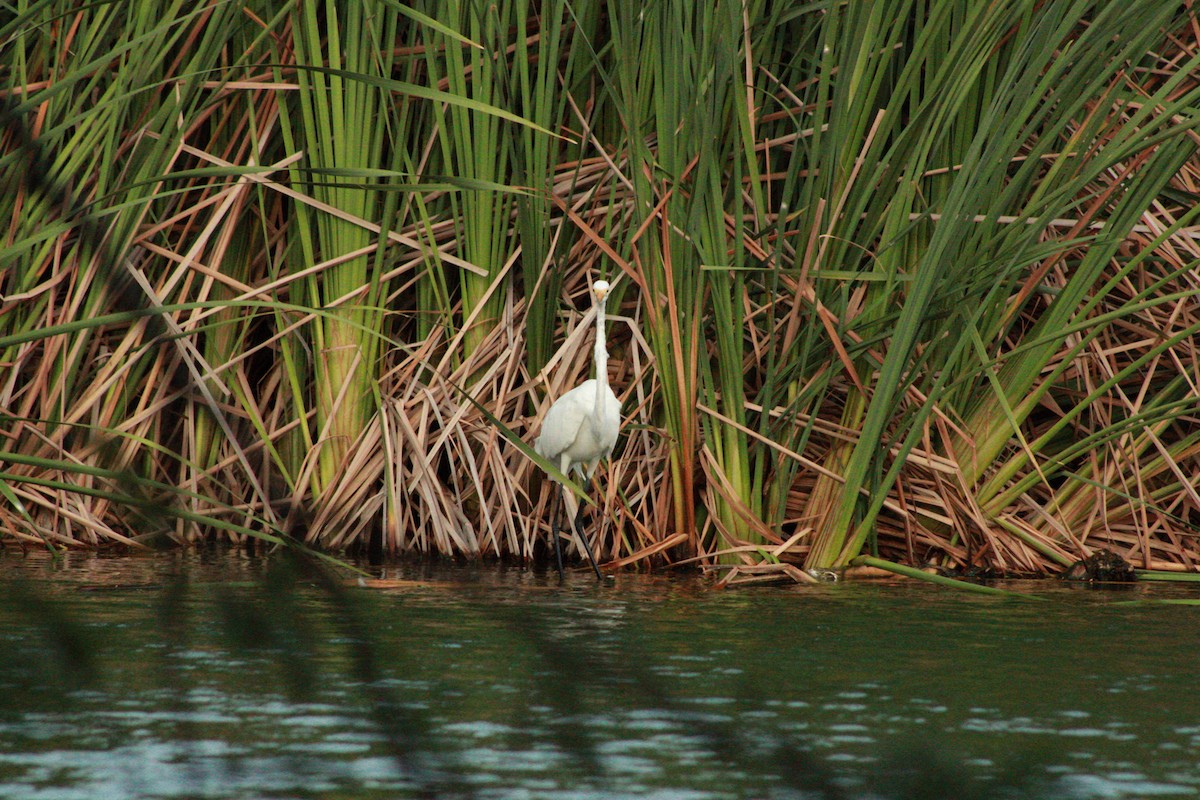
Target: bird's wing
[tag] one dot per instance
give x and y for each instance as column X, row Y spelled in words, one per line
column 562, row 422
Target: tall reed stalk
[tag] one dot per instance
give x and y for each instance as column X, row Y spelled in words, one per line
column 342, row 125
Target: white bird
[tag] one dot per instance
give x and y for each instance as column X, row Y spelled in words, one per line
column 581, row 427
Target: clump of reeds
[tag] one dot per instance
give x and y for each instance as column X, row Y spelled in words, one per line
column 903, row 278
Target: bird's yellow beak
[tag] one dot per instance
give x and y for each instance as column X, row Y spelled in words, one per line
column 600, row 289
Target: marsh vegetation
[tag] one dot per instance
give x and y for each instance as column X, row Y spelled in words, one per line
column 908, row 278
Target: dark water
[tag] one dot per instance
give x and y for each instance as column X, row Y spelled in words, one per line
column 216, row 675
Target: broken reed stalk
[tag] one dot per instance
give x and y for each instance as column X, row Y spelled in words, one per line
column 940, row 580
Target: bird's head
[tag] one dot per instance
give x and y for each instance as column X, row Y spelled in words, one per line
column 600, row 290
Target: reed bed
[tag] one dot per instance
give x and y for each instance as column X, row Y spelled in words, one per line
column 907, row 279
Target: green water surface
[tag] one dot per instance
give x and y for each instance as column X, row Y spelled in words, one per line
column 218, row 675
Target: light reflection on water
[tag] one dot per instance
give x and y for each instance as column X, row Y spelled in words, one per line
column 652, row 688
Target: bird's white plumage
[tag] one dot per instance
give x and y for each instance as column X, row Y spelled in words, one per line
column 574, row 435
column 581, row 427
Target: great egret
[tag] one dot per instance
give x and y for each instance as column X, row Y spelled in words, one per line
column 581, row 428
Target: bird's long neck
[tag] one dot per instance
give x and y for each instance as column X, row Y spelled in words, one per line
column 601, row 356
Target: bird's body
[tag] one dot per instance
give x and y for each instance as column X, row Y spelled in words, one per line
column 581, row 427
column 574, row 436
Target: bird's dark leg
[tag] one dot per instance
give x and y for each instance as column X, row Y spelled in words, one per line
column 577, row 523
column 555, row 503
